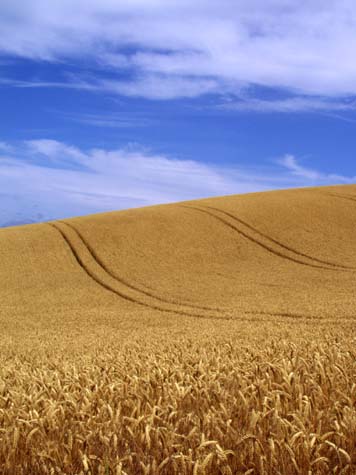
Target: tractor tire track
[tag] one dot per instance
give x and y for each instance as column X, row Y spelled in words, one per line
column 261, row 244
column 280, row 244
column 135, row 288
column 113, row 288
column 237, row 315
column 338, row 195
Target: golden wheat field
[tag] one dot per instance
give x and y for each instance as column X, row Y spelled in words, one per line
column 206, row 337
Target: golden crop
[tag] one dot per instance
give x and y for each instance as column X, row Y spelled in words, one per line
column 205, row 337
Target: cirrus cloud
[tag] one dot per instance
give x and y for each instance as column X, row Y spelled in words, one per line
column 185, row 49
column 47, row 179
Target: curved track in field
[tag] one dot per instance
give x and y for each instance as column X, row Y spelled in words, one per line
column 135, row 287
column 284, row 246
column 86, row 260
column 95, row 270
column 338, row 195
column 266, row 242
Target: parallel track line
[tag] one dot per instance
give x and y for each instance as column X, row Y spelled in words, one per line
column 278, row 243
column 258, row 243
column 128, row 284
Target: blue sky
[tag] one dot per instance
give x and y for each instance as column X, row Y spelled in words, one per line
column 108, row 105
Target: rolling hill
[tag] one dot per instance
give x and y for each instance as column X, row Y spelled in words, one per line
column 281, row 254
column 209, row 337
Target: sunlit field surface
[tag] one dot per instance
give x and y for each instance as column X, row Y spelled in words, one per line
column 204, row 337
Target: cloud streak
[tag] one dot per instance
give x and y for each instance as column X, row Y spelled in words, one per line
column 54, row 180
column 173, row 49
column 291, row 104
column 314, row 177
column 114, row 121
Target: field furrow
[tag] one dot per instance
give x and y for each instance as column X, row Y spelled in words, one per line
column 340, row 195
column 89, row 263
column 279, row 252
column 280, row 245
column 132, row 286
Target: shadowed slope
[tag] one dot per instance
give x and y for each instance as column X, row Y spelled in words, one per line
column 282, row 254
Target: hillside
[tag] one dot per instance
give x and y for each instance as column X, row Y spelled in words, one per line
column 282, row 254
column 211, row 337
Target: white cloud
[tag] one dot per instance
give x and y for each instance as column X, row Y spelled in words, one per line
column 55, row 180
column 313, row 176
column 54, row 150
column 184, row 49
column 52, row 180
column 161, row 86
column 115, row 121
column 292, row 104
column 290, row 162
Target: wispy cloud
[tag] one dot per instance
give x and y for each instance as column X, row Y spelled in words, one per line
column 291, row 104
column 72, row 83
column 149, row 86
column 162, row 86
column 185, row 49
column 47, row 179
column 57, row 180
column 313, row 176
column 109, row 120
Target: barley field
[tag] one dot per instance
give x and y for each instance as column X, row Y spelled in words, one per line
column 206, row 337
